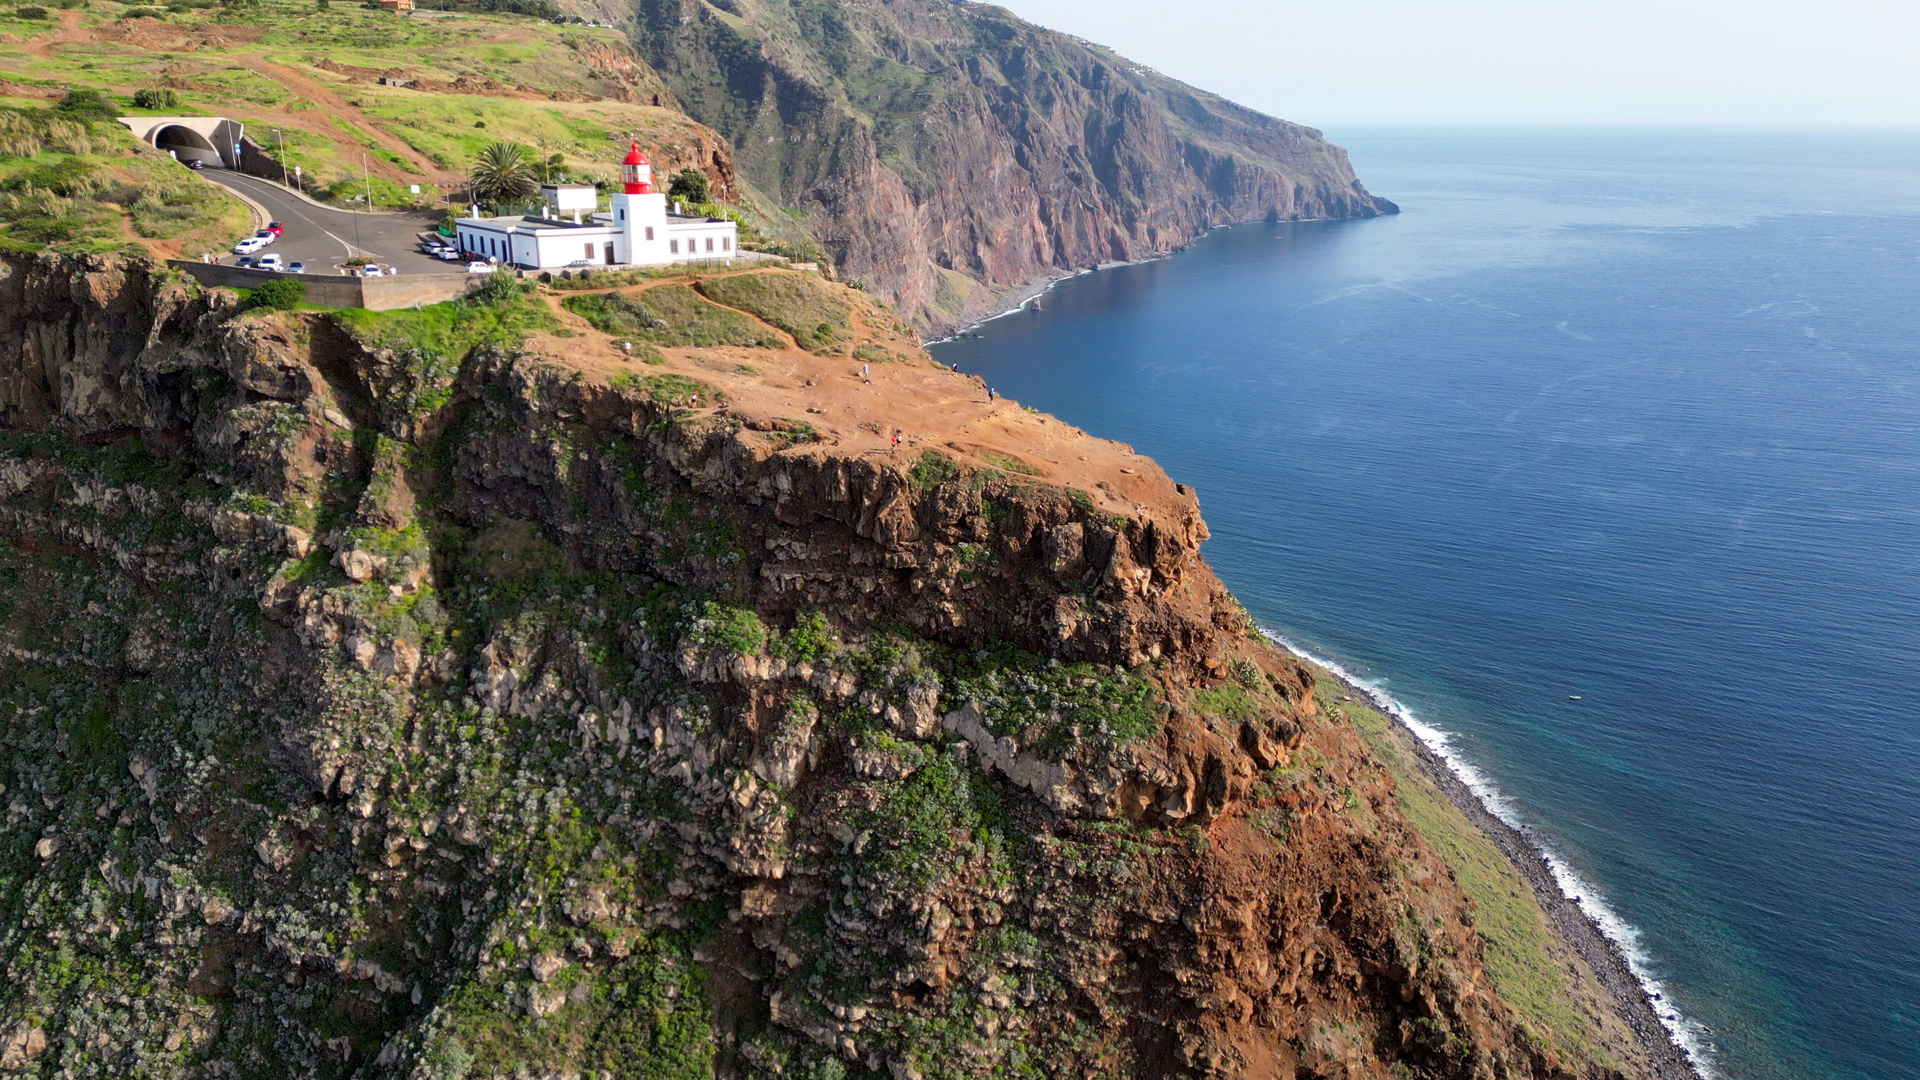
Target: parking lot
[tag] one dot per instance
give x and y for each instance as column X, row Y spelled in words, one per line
column 324, row 238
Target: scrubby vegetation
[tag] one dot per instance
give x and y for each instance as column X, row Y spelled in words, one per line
column 814, row 312
column 669, row 315
column 277, row 295
column 457, row 327
column 73, row 180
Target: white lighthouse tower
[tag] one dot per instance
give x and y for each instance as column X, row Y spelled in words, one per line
column 639, row 214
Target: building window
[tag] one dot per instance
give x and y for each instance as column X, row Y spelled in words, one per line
column 726, row 243
column 673, row 247
column 649, row 232
column 589, row 251
column 709, row 243
column 622, row 215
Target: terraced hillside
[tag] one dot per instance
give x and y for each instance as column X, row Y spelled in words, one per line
column 307, row 82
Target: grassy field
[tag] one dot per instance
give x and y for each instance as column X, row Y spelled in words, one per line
column 815, row 313
column 671, row 316
column 73, row 180
column 311, row 74
column 1520, row 951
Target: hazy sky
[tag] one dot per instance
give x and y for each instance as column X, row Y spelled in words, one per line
column 1526, row 61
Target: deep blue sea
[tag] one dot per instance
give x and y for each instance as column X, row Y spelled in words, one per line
column 1603, row 459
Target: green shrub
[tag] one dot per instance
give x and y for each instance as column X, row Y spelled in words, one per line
column 501, row 287
column 810, row 640
column 278, row 295
column 719, row 629
column 933, row 469
column 30, row 13
column 82, row 102
column 689, row 184
column 154, row 97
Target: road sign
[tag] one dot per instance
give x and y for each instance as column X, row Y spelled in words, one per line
column 416, row 189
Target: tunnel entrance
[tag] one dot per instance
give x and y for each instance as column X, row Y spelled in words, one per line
column 212, row 140
column 188, row 145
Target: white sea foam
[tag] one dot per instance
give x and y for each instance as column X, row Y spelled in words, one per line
column 1690, row 1035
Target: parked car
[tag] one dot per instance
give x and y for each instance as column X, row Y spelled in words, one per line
column 296, row 267
column 577, row 263
column 195, row 164
column 244, row 261
column 478, row 267
column 448, row 255
column 248, row 246
column 269, row 262
column 275, row 228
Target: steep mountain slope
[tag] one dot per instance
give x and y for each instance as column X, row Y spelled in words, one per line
column 948, row 152
column 439, row 694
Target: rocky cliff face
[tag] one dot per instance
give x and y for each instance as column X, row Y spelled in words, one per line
column 364, row 717
column 948, row 152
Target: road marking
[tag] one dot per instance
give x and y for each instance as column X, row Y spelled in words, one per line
column 293, row 209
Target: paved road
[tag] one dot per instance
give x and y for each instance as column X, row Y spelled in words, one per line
column 324, row 238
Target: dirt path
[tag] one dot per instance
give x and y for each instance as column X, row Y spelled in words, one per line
column 306, row 87
column 931, row 406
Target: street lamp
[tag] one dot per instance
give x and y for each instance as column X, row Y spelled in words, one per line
column 281, row 139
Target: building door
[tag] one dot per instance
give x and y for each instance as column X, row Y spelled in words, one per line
column 609, row 253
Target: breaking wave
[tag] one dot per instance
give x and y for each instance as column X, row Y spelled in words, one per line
column 1690, row 1035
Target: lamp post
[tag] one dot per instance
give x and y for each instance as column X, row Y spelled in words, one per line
column 281, row 139
column 357, row 249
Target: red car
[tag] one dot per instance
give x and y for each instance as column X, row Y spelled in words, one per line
column 276, row 228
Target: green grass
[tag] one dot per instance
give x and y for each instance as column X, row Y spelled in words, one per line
column 1008, row 463
column 666, row 388
column 238, row 77
column 1053, row 706
column 452, row 329
column 814, row 312
column 74, row 183
column 669, row 315
column 932, row 469
column 1509, row 921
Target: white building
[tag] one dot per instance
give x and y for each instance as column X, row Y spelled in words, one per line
column 637, row 231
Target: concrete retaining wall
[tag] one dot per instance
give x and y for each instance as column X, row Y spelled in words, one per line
column 374, row 294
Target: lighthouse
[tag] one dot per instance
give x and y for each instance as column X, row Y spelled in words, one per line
column 639, row 213
column 636, row 231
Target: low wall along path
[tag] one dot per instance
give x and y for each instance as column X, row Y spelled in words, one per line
column 374, row 294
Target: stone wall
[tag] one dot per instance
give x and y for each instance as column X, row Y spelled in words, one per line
column 374, row 294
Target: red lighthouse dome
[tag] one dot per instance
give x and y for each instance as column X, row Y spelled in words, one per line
column 636, row 173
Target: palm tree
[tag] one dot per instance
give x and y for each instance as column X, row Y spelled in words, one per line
column 502, row 174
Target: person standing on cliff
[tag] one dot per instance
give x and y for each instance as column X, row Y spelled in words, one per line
column 990, row 395
column 863, row 374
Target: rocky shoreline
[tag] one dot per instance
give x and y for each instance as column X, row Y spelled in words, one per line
column 1565, row 918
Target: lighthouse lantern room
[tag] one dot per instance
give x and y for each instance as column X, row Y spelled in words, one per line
column 636, row 173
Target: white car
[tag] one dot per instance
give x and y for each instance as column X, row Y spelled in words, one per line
column 448, row 255
column 270, row 262
column 477, row 267
column 248, row 246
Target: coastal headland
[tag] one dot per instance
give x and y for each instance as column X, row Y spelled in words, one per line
column 578, row 677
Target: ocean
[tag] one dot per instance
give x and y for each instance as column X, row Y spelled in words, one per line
column 1603, row 461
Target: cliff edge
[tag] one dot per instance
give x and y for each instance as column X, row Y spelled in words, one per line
column 949, row 154
column 455, row 693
